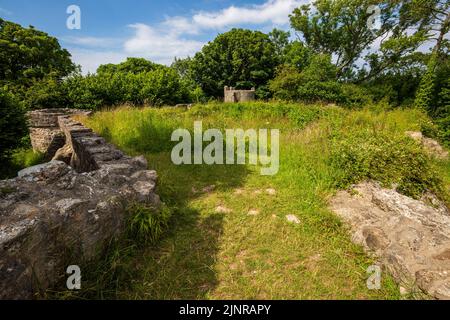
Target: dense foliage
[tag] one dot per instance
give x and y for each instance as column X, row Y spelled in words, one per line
column 160, row 86
column 27, row 54
column 12, row 124
column 32, row 65
column 389, row 159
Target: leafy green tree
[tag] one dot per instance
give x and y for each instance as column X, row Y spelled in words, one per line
column 239, row 58
column 343, row 29
column 12, row 124
column 27, row 55
column 425, row 93
column 335, row 27
column 132, row 65
column 432, row 17
column 435, row 16
column 297, row 55
column 160, row 86
column 183, row 67
column 280, row 39
column 32, row 65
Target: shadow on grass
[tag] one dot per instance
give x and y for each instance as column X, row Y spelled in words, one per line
column 181, row 264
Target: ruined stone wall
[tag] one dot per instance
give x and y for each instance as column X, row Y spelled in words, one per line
column 233, row 95
column 64, row 213
column 45, row 133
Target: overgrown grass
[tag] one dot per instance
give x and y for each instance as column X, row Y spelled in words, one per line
column 146, row 224
column 214, row 255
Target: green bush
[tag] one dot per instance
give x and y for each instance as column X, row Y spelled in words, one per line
column 354, row 96
column 393, row 160
column 315, row 90
column 316, row 82
column 284, row 85
column 443, row 125
column 155, row 88
column 44, row 93
column 12, row 124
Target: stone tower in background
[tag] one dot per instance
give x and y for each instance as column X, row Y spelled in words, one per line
column 233, row 95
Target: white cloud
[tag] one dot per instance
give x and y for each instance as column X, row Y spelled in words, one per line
column 273, row 11
column 157, row 44
column 93, row 41
column 180, row 25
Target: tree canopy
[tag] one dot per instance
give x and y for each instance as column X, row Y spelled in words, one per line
column 239, row 58
column 131, row 65
column 27, row 54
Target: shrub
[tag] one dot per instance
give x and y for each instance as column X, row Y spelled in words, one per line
column 388, row 158
column 85, row 92
column 45, row 93
column 12, row 124
column 157, row 87
column 317, row 82
column 354, row 96
column 284, row 85
column 315, row 90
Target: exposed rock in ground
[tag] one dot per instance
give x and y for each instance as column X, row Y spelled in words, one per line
column 223, row 209
column 410, row 238
column 293, row 218
column 253, row 212
column 54, row 215
column 209, row 189
column 184, row 105
column 430, row 145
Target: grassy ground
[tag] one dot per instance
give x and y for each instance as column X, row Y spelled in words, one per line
column 207, row 254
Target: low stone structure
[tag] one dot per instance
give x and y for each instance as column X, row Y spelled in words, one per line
column 64, row 213
column 233, row 95
column 411, row 238
column 45, row 133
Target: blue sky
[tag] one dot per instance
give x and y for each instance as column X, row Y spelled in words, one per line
column 112, row 30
